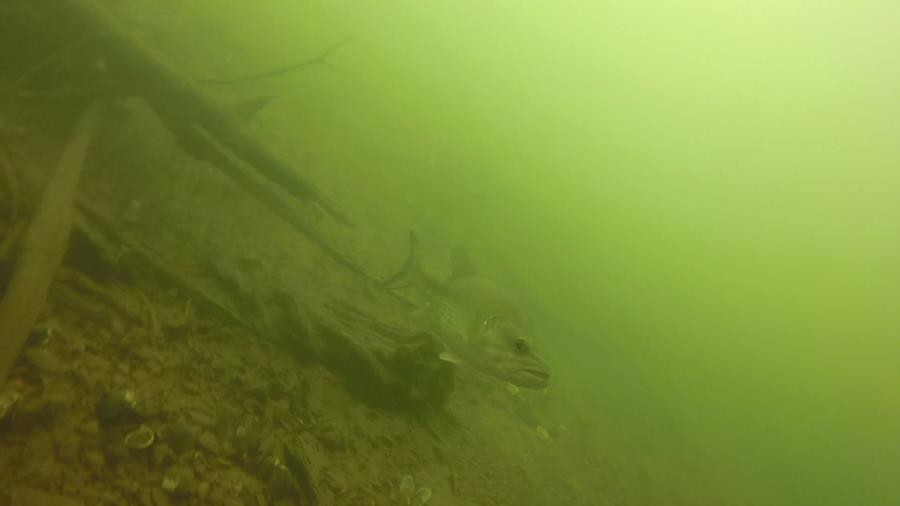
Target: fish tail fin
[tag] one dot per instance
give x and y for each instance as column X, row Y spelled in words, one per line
column 411, row 268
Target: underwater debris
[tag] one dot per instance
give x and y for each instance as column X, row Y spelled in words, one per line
column 513, row 390
column 542, row 433
column 140, row 438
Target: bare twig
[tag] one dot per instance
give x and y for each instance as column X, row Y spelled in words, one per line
column 320, row 59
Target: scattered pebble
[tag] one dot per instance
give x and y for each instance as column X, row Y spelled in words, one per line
column 179, row 481
column 45, row 361
column 34, row 497
column 162, row 455
column 180, row 437
column 89, row 428
column 95, row 461
column 208, row 442
column 159, row 497
column 117, row 407
column 201, row 418
column 203, row 489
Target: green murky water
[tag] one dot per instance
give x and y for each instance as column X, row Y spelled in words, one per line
column 696, row 201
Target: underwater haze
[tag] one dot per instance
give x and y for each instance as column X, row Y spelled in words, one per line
column 697, row 203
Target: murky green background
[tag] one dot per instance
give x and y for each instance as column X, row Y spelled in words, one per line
column 698, row 202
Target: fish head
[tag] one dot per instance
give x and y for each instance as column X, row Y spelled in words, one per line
column 507, row 352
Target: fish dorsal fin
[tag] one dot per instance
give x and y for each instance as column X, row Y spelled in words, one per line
column 461, row 264
column 246, row 110
column 449, row 356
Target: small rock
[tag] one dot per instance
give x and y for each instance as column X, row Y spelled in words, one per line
column 179, row 481
column 110, row 497
column 201, row 418
column 95, row 461
column 336, row 480
column 41, row 333
column 66, row 445
column 209, row 442
column 118, row 326
column 141, row 376
column 117, row 407
column 159, row 496
column 34, row 497
column 162, row 455
column 33, row 413
column 155, row 368
column 46, row 362
column 180, row 437
column 282, row 484
column 203, row 489
column 247, row 497
column 88, row 428
column 246, row 441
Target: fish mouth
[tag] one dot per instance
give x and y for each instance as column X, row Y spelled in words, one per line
column 531, row 378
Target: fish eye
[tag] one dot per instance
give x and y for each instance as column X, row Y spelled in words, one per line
column 521, row 345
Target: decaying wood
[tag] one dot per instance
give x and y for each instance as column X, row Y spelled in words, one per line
column 43, row 246
column 179, row 100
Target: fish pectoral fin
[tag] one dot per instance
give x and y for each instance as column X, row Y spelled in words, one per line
column 449, row 356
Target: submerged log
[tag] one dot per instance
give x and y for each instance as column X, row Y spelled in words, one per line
column 43, row 246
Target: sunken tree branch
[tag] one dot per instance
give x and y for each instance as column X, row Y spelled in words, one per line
column 177, row 99
column 320, row 59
